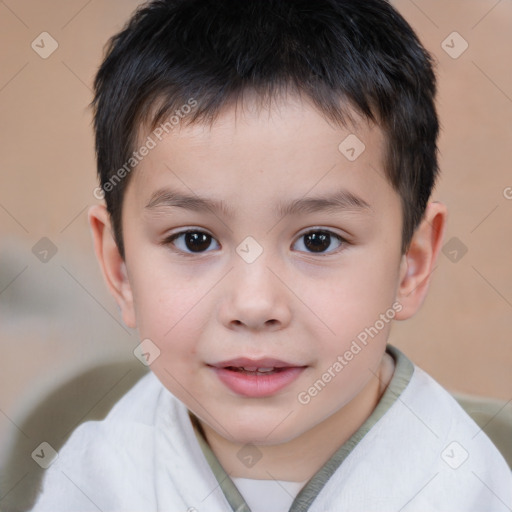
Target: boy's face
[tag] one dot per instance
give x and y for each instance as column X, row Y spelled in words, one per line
column 266, row 277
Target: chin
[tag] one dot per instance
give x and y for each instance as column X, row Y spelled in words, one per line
column 262, row 433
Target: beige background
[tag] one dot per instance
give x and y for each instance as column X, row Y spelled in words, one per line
column 56, row 317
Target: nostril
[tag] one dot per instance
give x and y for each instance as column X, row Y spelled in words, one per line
column 269, row 323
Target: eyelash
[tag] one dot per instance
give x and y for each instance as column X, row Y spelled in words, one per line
column 171, row 239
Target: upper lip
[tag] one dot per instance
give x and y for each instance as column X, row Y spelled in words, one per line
column 245, row 362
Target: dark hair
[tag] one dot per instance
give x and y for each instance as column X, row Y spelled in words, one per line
column 344, row 55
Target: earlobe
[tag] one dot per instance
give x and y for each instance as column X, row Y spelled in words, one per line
column 419, row 262
column 111, row 263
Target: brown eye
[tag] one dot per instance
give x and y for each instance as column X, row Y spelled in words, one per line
column 191, row 241
column 197, row 242
column 319, row 242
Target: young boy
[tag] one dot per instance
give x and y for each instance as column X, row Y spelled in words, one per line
column 267, row 167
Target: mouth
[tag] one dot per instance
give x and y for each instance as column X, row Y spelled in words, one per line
column 256, row 378
column 249, row 364
column 252, row 370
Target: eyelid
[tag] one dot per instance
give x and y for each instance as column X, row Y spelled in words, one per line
column 169, row 239
column 316, row 229
column 191, row 229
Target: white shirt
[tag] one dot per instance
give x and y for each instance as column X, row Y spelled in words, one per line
column 268, row 495
column 425, row 454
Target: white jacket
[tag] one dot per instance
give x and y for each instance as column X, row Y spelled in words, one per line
column 425, row 455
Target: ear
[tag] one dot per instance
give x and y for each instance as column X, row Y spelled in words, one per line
column 112, row 264
column 418, row 263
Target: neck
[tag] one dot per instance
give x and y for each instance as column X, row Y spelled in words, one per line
column 315, row 446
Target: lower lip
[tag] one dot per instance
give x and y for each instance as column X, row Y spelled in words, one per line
column 257, row 386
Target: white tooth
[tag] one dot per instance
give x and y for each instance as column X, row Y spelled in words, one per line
column 265, row 369
column 250, row 368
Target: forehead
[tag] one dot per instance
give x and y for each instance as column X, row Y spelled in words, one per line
column 254, row 155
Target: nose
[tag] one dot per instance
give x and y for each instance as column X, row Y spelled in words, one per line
column 254, row 298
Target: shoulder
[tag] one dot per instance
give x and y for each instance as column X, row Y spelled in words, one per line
column 463, row 465
column 134, row 416
column 424, row 402
column 423, row 453
column 443, row 414
column 111, row 461
column 138, row 402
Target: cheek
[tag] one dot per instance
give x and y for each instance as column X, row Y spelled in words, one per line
column 353, row 335
column 166, row 304
column 354, row 297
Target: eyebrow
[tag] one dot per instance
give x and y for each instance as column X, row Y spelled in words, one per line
column 339, row 200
